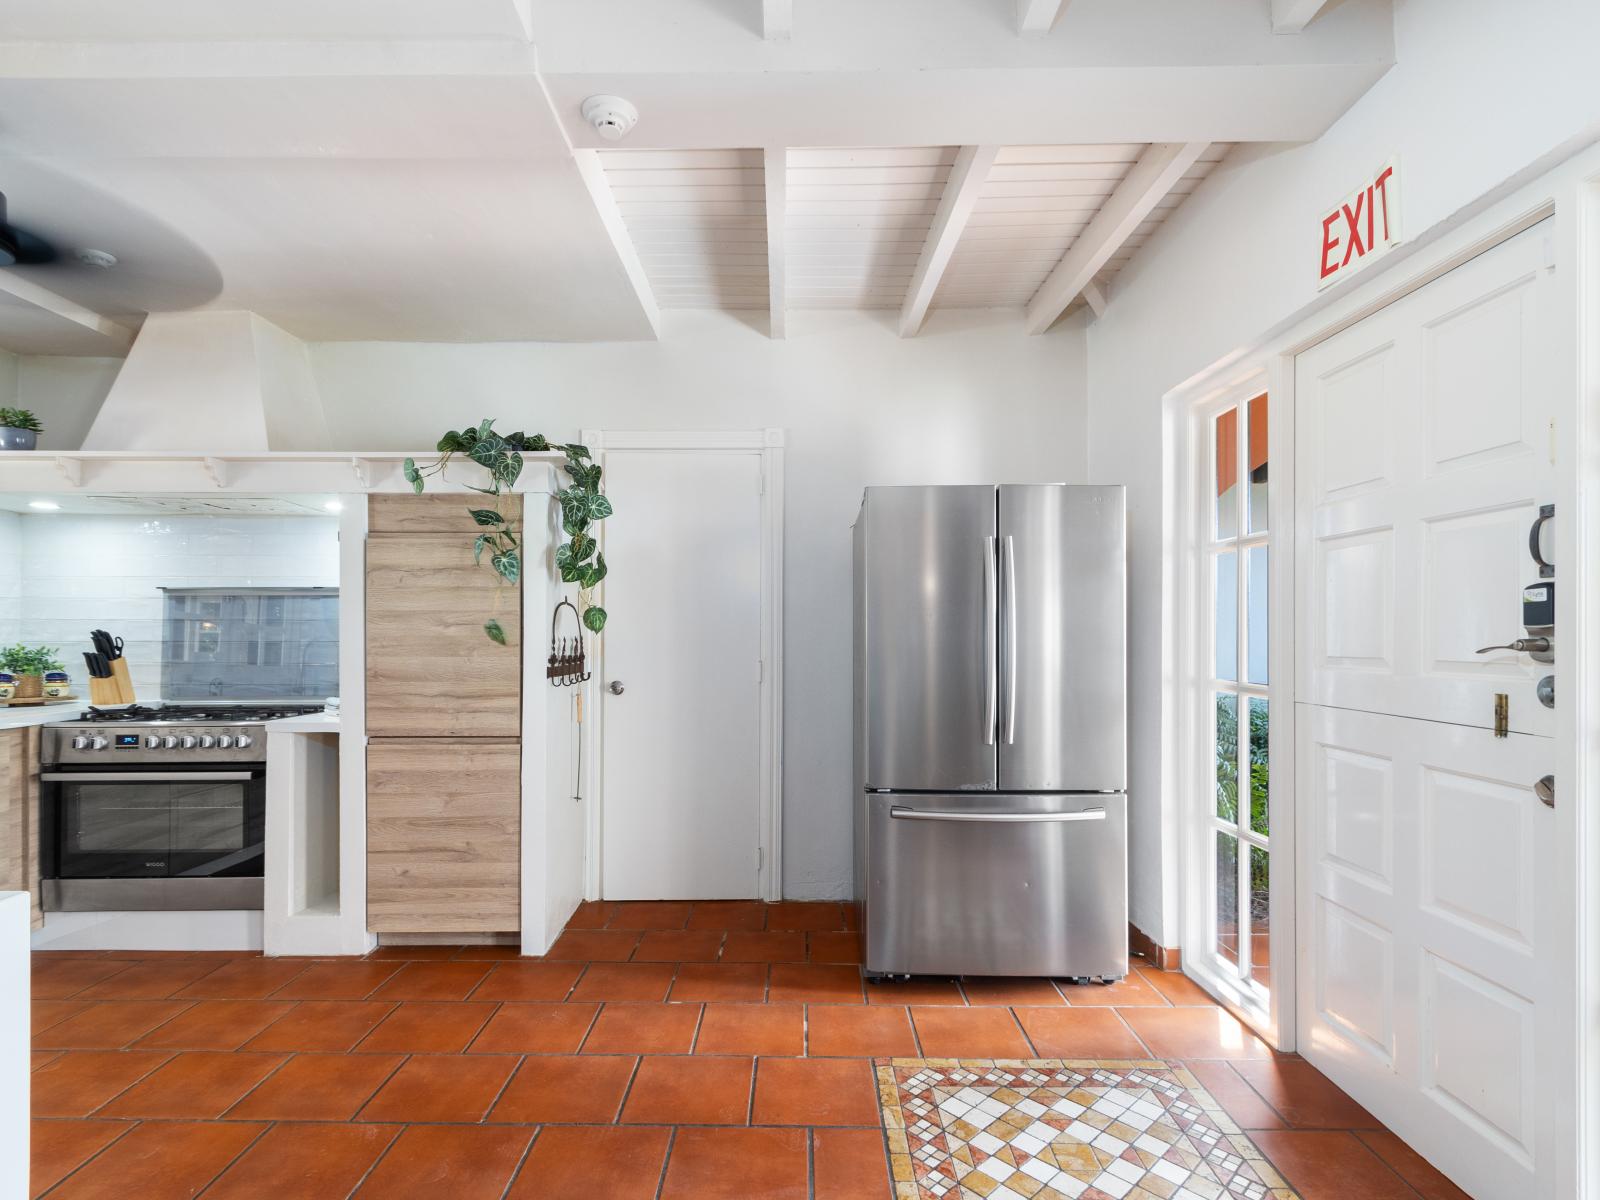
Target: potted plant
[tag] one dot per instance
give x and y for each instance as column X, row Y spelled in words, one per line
column 28, row 664
column 19, row 429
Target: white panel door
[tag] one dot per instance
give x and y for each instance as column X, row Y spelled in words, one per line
column 1435, row 958
column 681, row 741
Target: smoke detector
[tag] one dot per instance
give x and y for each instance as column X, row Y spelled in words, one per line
column 612, row 116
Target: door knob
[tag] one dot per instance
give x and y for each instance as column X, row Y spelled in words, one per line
column 1545, row 789
column 615, row 687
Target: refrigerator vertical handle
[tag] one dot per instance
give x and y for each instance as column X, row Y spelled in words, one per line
column 1009, row 590
column 991, row 641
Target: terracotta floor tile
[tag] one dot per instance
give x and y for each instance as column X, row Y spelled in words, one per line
column 109, row 1024
column 461, row 1162
column 529, row 1027
column 80, row 1081
column 772, row 946
column 843, row 947
column 337, row 981
column 852, row 915
column 1079, row 1033
column 737, row 1164
column 318, row 1087
column 413, row 953
column 915, row 991
column 46, row 1013
column 649, row 914
column 157, row 979
column 625, row 981
column 839, row 1029
column 170, row 1160
column 304, row 1162
column 325, row 1025
column 1134, row 991
column 57, row 1148
column 849, row 1164
column 594, row 945
column 814, row 1091
column 1177, row 987
column 728, row 914
column 423, row 1027
column 741, row 982
column 1241, row 1101
column 495, row 953
column 644, row 1029
column 60, row 978
column 1330, row 1166
column 696, row 1090
column 1036, row 993
column 441, row 1087
column 591, row 914
column 613, row 1162
column 197, row 1085
column 243, row 979
column 215, row 1025
column 811, row 916
column 1422, row 1175
column 433, row 981
column 1194, row 1033
column 815, row 983
column 678, row 945
column 529, row 981
column 1304, row 1096
column 969, row 1033
column 565, row 1089
column 752, row 1029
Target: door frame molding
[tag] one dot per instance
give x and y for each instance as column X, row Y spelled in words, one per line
column 1564, row 185
column 768, row 446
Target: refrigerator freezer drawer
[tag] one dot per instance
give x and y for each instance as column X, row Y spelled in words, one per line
column 963, row 884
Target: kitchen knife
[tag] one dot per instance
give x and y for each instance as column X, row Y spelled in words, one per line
column 98, row 667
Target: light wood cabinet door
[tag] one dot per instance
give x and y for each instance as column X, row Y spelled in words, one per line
column 431, row 670
column 19, row 814
column 443, row 836
column 441, row 512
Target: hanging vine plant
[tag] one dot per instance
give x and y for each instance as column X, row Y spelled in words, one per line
column 578, row 559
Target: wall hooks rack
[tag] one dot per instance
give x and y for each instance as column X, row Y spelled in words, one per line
column 566, row 664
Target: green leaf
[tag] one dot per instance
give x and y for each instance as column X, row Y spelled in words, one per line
column 595, row 618
column 571, row 574
column 487, row 451
column 454, row 443
column 485, row 427
column 594, row 572
column 507, row 467
column 599, row 508
column 582, row 547
column 564, row 555
column 537, row 443
column 492, row 628
column 484, row 539
column 486, row 516
column 572, row 526
column 576, row 450
column 508, row 563
column 413, row 476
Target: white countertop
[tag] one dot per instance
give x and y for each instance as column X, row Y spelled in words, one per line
column 322, row 722
column 21, row 717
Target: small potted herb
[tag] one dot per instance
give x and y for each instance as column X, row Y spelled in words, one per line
column 19, row 429
column 29, row 664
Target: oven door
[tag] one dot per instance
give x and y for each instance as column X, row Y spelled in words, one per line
column 152, row 824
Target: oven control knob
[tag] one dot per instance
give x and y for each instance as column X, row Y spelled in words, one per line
column 98, row 743
column 151, row 741
column 207, row 741
column 244, row 741
column 224, row 741
column 80, row 742
column 188, row 742
column 169, row 742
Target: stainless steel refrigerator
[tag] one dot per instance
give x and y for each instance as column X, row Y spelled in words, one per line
column 991, row 730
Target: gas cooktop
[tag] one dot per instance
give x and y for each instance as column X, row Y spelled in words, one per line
column 191, row 714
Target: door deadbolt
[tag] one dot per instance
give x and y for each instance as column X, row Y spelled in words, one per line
column 1545, row 789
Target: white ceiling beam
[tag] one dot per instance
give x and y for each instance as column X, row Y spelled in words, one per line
column 961, row 190
column 1038, row 16
column 1292, row 16
column 1095, row 298
column 777, row 19
column 119, row 336
column 776, row 162
column 594, row 178
column 1151, row 178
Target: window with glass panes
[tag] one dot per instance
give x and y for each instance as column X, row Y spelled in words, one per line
column 1240, row 850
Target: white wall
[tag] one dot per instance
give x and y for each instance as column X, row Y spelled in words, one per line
column 1481, row 91
column 971, row 400
column 64, row 393
column 8, row 379
column 10, row 576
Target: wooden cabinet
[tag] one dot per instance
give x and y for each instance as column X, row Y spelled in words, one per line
column 443, row 835
column 19, row 814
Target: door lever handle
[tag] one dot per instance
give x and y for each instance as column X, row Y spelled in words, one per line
column 1529, row 645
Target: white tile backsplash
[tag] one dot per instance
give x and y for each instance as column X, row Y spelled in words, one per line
column 65, row 574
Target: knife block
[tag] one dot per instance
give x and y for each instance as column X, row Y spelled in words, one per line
column 103, row 692
column 121, row 681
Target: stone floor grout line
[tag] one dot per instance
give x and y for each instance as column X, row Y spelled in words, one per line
column 289, row 1056
column 131, row 1126
column 229, row 1165
column 672, row 1143
column 1126, row 1024
column 382, row 1154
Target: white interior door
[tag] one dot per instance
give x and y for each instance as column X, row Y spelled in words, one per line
column 1436, row 963
column 681, row 732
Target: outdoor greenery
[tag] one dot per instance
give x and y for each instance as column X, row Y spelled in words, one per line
column 19, row 418
column 29, row 660
column 578, row 559
column 1228, row 773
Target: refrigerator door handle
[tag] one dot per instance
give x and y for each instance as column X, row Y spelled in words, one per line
column 1003, row 818
column 1010, row 589
column 991, row 666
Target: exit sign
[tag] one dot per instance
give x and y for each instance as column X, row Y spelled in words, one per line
column 1363, row 226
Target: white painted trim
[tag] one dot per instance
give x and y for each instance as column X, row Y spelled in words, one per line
column 777, row 20
column 1292, row 16
column 1152, row 177
column 776, row 163
column 1095, row 297
column 1036, row 17
column 353, row 932
column 16, row 1063
column 769, row 444
column 540, row 921
column 605, row 204
column 961, row 190
column 118, row 336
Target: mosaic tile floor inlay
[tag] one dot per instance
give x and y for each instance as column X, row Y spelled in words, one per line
column 1064, row 1129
